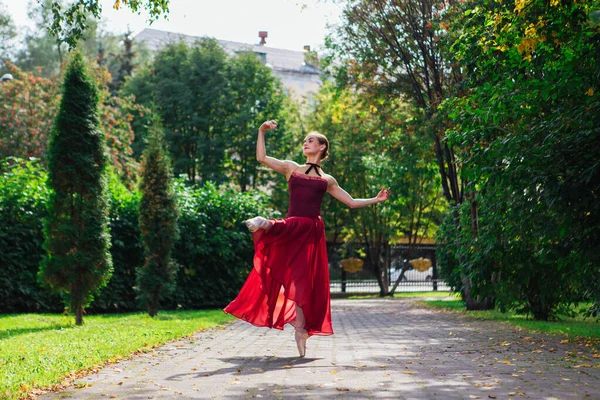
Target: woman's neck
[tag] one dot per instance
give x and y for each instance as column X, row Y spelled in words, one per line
column 311, row 160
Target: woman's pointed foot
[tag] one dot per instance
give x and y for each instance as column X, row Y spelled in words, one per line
column 301, row 336
column 256, row 223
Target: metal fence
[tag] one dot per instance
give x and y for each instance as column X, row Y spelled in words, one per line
column 365, row 281
column 370, row 286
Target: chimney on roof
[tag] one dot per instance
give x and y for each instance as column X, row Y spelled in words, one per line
column 310, row 57
column 262, row 35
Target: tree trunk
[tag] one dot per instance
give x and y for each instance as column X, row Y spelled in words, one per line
column 475, row 303
column 78, row 313
column 153, row 306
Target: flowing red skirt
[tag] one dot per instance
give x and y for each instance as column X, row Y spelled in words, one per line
column 290, row 266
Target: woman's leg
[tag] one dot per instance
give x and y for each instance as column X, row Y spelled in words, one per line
column 300, row 320
column 301, row 335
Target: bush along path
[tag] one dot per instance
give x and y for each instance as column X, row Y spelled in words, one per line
column 382, row 348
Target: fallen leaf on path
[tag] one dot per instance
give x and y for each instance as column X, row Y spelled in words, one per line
column 342, row 389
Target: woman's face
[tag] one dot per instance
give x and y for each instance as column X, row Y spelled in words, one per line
column 311, row 145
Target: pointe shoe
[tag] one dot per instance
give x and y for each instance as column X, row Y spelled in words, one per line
column 256, row 223
column 301, row 336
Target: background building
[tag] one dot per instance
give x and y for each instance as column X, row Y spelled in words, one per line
column 297, row 70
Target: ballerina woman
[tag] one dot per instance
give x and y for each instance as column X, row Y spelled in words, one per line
column 290, row 279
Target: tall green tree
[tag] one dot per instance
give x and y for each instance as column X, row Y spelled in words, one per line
column 526, row 120
column 393, row 48
column 211, row 105
column 78, row 261
column 189, row 88
column 375, row 144
column 158, row 224
column 256, row 96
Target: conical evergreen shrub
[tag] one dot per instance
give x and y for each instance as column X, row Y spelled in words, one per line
column 77, row 240
column 158, row 224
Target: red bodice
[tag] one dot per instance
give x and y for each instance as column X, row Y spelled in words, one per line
column 306, row 195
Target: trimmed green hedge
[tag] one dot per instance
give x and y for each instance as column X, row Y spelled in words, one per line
column 214, row 251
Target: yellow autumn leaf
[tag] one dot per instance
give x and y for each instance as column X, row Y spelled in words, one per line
column 117, row 4
column 519, row 5
column 590, row 92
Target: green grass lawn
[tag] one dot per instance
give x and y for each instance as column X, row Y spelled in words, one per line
column 572, row 327
column 40, row 350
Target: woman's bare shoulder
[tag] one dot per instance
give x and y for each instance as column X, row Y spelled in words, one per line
column 330, row 179
column 291, row 166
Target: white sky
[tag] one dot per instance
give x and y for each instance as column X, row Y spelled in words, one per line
column 291, row 24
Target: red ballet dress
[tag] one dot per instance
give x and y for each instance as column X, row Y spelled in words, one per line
column 290, row 265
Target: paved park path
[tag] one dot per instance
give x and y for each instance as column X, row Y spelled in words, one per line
column 381, row 349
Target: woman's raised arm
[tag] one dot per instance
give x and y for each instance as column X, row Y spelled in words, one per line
column 336, row 191
column 282, row 166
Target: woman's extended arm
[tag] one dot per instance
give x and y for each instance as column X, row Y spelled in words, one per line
column 283, row 167
column 336, row 191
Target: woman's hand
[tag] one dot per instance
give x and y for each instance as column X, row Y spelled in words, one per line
column 268, row 125
column 383, row 195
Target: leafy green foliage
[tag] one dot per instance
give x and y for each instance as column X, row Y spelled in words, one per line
column 158, row 224
column 215, row 250
column 374, row 144
column 77, row 240
column 30, row 107
column 526, row 120
column 69, row 22
column 211, row 106
column 23, row 194
column 256, row 96
column 126, row 250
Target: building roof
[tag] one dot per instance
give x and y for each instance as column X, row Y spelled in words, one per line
column 278, row 59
